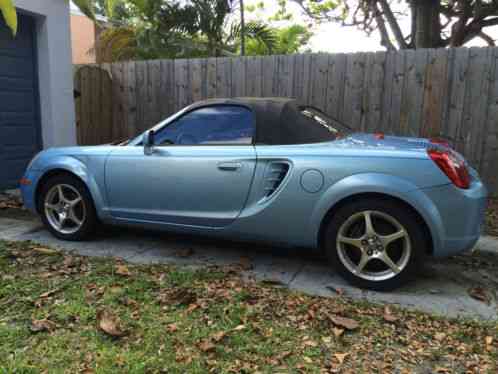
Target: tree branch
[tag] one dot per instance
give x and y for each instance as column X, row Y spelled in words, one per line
column 393, row 24
column 458, row 28
column 488, row 39
column 381, row 25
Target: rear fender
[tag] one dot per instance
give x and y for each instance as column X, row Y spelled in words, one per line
column 385, row 184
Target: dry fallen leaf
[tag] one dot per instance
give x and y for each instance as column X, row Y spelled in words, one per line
column 480, row 294
column 172, row 327
column 38, row 325
column 341, row 357
column 337, row 290
column 442, row 370
column 206, row 346
column 239, row 328
column 49, row 293
column 191, row 308
column 388, row 316
column 186, row 252
column 69, row 261
column 122, row 270
column 338, row 332
column 440, row 336
column 218, row 337
column 246, row 263
column 488, row 340
column 347, row 323
column 109, row 323
column 183, row 296
column 45, row 251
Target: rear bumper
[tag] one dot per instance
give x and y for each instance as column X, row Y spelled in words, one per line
column 462, row 216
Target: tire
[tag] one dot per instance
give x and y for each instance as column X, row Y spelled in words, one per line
column 76, row 226
column 362, row 256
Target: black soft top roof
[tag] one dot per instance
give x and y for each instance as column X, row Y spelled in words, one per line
column 278, row 120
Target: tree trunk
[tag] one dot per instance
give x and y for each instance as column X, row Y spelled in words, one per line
column 427, row 24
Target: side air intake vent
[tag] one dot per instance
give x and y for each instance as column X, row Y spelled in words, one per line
column 275, row 174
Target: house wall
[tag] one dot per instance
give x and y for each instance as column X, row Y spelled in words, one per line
column 83, row 35
column 55, row 69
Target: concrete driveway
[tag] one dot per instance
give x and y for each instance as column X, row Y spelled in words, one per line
column 444, row 287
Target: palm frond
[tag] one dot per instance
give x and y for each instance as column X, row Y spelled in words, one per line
column 9, row 14
column 87, row 7
column 116, row 43
column 254, row 30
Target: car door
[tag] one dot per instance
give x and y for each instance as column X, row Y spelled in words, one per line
column 199, row 173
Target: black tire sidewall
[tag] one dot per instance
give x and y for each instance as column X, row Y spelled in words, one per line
column 403, row 215
column 89, row 225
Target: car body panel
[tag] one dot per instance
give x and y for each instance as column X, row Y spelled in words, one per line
column 204, row 186
column 87, row 163
column 232, row 192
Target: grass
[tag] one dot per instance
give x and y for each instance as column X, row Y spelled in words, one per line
column 178, row 320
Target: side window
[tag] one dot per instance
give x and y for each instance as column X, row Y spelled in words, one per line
column 218, row 124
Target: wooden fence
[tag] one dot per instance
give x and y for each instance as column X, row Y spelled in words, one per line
column 430, row 92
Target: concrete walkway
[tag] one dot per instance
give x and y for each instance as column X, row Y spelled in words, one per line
column 442, row 287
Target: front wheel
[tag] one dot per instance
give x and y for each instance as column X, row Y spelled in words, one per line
column 67, row 208
column 375, row 244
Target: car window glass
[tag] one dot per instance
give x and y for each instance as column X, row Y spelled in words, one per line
column 220, row 124
column 321, row 119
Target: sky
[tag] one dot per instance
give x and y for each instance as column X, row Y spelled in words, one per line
column 331, row 37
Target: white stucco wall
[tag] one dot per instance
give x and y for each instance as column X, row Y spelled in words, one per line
column 55, row 69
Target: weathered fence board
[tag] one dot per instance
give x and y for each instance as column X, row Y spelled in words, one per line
column 451, row 93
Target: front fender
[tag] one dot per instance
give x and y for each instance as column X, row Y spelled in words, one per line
column 79, row 168
column 383, row 184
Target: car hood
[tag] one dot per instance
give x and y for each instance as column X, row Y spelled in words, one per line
column 46, row 157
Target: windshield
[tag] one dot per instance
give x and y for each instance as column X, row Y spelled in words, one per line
column 336, row 128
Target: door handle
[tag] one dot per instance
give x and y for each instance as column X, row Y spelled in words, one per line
column 229, row 166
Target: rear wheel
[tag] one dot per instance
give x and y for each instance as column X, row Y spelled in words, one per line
column 67, row 208
column 375, row 244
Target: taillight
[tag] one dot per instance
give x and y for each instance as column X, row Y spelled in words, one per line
column 452, row 165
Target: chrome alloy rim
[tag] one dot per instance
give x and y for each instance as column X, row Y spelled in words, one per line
column 65, row 209
column 373, row 245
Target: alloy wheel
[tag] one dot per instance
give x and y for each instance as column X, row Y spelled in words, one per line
column 65, row 209
column 373, row 245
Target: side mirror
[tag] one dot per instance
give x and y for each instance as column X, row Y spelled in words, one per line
column 148, row 142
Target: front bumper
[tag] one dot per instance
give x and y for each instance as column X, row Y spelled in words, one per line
column 462, row 215
column 28, row 191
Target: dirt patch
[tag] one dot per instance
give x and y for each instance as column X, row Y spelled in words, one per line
column 492, row 217
column 11, row 206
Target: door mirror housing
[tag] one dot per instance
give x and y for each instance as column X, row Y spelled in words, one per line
column 148, row 142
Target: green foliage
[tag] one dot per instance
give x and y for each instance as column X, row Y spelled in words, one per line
column 287, row 40
column 151, row 29
column 9, row 14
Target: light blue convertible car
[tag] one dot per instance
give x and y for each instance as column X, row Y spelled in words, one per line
column 275, row 171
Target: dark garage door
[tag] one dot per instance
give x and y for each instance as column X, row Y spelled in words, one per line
column 19, row 120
